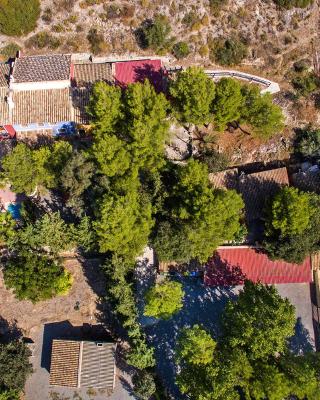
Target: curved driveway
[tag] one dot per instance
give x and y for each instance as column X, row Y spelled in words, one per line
column 270, row 86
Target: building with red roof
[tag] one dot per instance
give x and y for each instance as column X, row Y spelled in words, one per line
column 230, row 266
column 138, row 70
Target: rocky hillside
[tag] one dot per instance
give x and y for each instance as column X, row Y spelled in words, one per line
column 272, row 38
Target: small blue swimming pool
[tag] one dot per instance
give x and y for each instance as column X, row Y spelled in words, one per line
column 14, row 210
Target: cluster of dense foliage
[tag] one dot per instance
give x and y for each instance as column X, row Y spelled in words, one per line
column 229, row 51
column 14, row 369
column 251, row 359
column 307, row 143
column 195, row 218
column 293, row 3
column 197, row 100
column 120, row 193
column 18, row 17
column 292, row 228
column 34, row 270
column 164, row 300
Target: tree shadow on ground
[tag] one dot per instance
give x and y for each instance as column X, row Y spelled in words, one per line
column 9, row 331
column 221, row 273
column 203, row 306
column 301, row 342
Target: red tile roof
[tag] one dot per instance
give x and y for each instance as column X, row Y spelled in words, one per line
column 137, row 71
column 230, row 266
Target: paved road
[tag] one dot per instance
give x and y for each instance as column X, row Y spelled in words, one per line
column 205, row 305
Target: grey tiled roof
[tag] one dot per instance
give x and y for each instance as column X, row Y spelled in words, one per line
column 82, row 364
column 55, row 67
column 87, row 74
column 97, row 365
column 4, row 74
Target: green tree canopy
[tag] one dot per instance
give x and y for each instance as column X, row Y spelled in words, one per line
column 144, row 385
column 36, row 277
column 155, row 34
column 258, row 110
column 105, row 107
column 230, row 51
column 130, row 131
column 290, row 212
column 171, row 242
column 196, row 346
column 252, row 359
column 227, row 102
column 209, row 217
column 7, row 227
column 192, row 92
column 19, row 169
column 123, row 224
column 145, row 124
column 28, row 170
column 164, row 300
column 14, row 368
column 10, row 395
column 260, row 321
column 295, row 234
column 18, row 17
column 75, row 178
column 49, row 232
column 308, row 142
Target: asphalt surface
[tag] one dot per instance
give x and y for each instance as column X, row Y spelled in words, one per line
column 203, row 305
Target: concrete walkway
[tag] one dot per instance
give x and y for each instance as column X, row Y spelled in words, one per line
column 270, row 86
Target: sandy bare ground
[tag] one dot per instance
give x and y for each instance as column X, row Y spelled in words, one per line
column 87, row 287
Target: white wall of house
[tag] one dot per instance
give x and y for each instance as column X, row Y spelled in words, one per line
column 20, row 86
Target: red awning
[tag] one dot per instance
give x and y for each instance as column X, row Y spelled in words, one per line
column 10, row 130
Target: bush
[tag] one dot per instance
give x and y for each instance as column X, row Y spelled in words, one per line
column 10, row 50
column 181, row 50
column 96, row 40
column 215, row 161
column 47, row 15
column 164, row 300
column 216, row 5
column 36, row 277
column 229, row 51
column 43, row 39
column 154, row 34
column 308, row 143
column 14, row 368
column 293, row 3
column 18, row 17
column 306, row 84
column 143, row 385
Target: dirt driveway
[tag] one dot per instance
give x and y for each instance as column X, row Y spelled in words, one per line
column 87, row 287
column 74, row 315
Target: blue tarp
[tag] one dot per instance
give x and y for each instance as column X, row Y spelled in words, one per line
column 14, row 210
column 64, row 129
